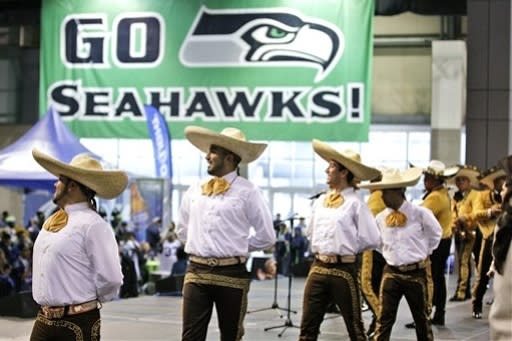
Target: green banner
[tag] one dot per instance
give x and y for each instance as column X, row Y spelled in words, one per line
column 289, row 70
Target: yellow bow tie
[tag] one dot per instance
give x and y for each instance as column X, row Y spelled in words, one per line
column 396, row 219
column 56, row 221
column 215, row 186
column 333, row 200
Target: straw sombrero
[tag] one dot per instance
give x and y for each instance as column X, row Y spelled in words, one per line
column 470, row 172
column 488, row 177
column 348, row 158
column 438, row 169
column 393, row 178
column 84, row 169
column 229, row 138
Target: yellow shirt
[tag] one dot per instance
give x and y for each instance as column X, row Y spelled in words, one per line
column 375, row 202
column 439, row 202
column 480, row 213
column 465, row 208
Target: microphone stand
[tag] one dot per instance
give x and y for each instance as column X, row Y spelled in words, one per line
column 288, row 323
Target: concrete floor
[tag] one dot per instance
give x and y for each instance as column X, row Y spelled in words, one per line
column 158, row 318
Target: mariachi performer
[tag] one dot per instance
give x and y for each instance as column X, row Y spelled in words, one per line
column 76, row 264
column 372, row 264
column 341, row 226
column 463, row 205
column 409, row 234
column 220, row 221
column 438, row 201
column 486, row 213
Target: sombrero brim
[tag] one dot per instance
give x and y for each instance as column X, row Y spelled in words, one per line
column 471, row 174
column 203, row 138
column 408, row 178
column 359, row 170
column 107, row 184
column 488, row 180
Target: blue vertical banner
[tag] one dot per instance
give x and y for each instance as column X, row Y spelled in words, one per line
column 161, row 138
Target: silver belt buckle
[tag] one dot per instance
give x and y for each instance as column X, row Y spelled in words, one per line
column 212, row 262
column 53, row 313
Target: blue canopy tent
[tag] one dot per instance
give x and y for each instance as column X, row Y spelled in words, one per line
column 51, row 136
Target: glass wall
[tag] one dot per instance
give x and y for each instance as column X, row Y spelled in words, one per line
column 289, row 173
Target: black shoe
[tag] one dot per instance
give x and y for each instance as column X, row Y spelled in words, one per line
column 477, row 315
column 438, row 320
column 411, row 325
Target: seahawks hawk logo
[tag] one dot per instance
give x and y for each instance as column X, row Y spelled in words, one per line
column 263, row 37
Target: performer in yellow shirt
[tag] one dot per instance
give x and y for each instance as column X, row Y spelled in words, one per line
column 485, row 213
column 437, row 200
column 465, row 199
column 372, row 265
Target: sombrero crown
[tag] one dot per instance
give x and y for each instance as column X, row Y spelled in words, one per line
column 86, row 170
column 470, row 172
column 229, row 138
column 393, row 178
column 439, row 170
column 348, row 158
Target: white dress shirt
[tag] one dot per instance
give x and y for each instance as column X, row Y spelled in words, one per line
column 219, row 225
column 77, row 264
column 346, row 230
column 413, row 242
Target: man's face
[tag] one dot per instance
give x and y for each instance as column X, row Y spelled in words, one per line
column 334, row 175
column 463, row 183
column 391, row 196
column 216, row 158
column 60, row 190
column 430, row 182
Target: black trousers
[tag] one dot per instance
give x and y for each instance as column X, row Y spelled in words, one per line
column 226, row 287
column 81, row 327
column 438, row 260
column 412, row 285
column 331, row 283
column 481, row 281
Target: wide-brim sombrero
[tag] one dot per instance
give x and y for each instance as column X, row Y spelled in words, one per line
column 492, row 174
column 470, row 172
column 393, row 178
column 86, row 170
column 439, row 170
column 349, row 159
column 229, row 138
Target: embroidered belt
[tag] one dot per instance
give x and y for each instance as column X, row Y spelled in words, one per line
column 408, row 267
column 73, row 309
column 332, row 259
column 213, row 261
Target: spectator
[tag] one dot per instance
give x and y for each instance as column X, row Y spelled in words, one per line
column 153, row 236
column 298, row 246
column 7, row 285
column 169, row 254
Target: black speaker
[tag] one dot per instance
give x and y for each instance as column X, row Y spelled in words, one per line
column 20, row 305
column 171, row 285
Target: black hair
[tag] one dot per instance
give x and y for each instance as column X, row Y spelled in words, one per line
column 350, row 175
column 89, row 193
